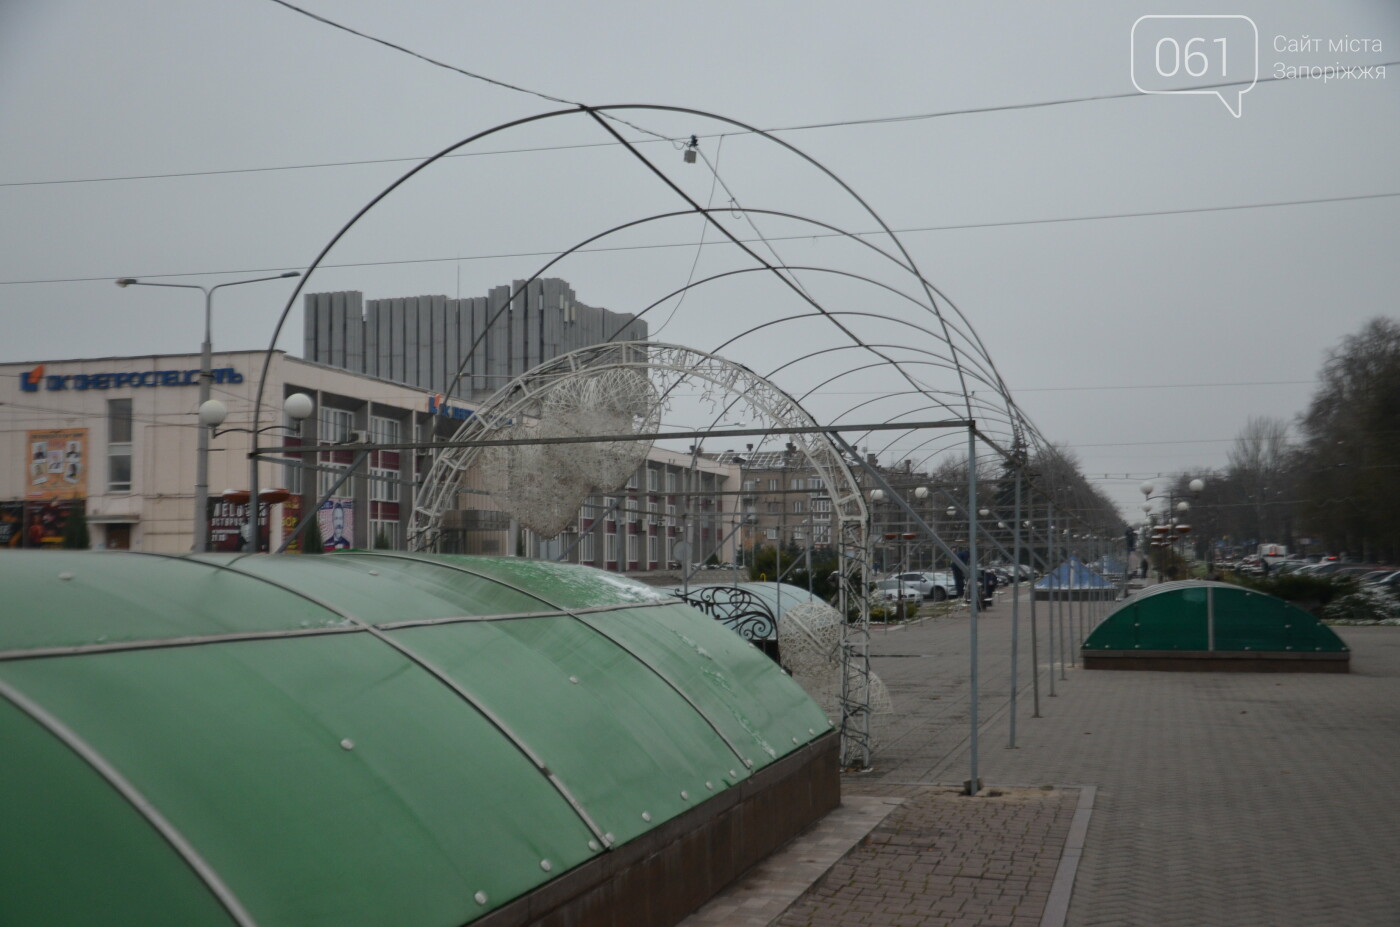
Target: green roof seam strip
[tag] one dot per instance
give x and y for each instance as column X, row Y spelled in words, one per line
column 552, row 613
column 135, row 798
column 234, row 636
column 441, row 676
column 574, row 614
column 159, row 642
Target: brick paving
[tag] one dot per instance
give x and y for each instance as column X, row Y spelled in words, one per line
column 1230, row 799
column 945, row 859
column 1222, row 798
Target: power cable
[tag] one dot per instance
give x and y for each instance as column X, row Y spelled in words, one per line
column 804, row 237
column 833, row 124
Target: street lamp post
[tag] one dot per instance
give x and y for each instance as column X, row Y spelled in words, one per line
column 1195, row 486
column 206, row 378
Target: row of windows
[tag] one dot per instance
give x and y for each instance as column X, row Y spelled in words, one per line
column 588, row 548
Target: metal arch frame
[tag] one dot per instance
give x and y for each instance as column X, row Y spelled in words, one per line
column 864, row 345
column 684, row 363
column 598, row 114
column 681, row 363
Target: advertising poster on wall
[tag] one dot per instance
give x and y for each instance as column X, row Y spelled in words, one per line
column 337, row 519
column 56, row 464
column 227, row 521
column 291, row 517
column 44, row 522
column 11, row 524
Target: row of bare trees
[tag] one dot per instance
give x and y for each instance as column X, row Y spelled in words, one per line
column 1335, row 486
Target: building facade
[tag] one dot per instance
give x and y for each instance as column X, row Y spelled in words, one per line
column 116, row 440
column 422, row 341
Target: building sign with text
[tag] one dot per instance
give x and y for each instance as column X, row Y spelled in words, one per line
column 32, row 380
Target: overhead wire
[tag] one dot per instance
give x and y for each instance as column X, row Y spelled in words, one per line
column 1272, row 204
column 831, row 124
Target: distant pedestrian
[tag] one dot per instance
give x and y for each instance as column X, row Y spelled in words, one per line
column 959, row 577
column 1144, row 568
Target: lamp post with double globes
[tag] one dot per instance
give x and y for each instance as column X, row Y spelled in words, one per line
column 206, row 377
column 1169, row 520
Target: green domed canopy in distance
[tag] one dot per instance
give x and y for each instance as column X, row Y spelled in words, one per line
column 1219, row 621
column 354, row 739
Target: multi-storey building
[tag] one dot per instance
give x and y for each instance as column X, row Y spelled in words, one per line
column 425, row 341
column 116, row 439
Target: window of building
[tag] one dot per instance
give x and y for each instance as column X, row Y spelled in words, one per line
column 586, row 549
column 634, row 548
column 771, row 534
column 671, row 481
column 774, row 508
column 119, row 445
column 383, row 532
column 798, row 507
column 610, row 547
column 383, row 484
column 632, row 481
column 385, row 430
column 750, row 485
column 326, row 477
column 652, row 546
column 609, row 508
column 670, row 516
column 821, row 505
column 653, row 480
column 334, row 425
column 651, row 513
column 773, row 485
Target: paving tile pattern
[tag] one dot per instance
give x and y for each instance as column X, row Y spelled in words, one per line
column 945, row 859
column 1223, row 798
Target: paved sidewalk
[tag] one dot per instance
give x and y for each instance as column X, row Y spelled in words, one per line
column 946, row 859
column 1222, row 799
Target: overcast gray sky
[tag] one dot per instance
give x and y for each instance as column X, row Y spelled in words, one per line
column 1142, row 342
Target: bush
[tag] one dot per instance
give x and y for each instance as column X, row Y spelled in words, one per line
column 1313, row 593
column 1364, row 606
column 311, row 540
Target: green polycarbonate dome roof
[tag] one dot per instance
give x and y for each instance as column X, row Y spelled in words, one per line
column 1195, row 615
column 351, row 739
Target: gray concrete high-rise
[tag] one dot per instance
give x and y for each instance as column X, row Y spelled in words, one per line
column 422, row 340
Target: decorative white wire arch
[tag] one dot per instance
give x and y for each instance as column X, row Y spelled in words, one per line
column 650, row 372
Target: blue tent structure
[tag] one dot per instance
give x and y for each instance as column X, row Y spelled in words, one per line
column 1073, row 580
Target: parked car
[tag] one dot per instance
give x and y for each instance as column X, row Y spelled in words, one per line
column 935, row 586
column 895, row 590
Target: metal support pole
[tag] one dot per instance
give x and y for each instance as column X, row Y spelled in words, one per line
column 1035, row 646
column 201, row 476
column 1053, row 598
column 974, row 784
column 1015, row 606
